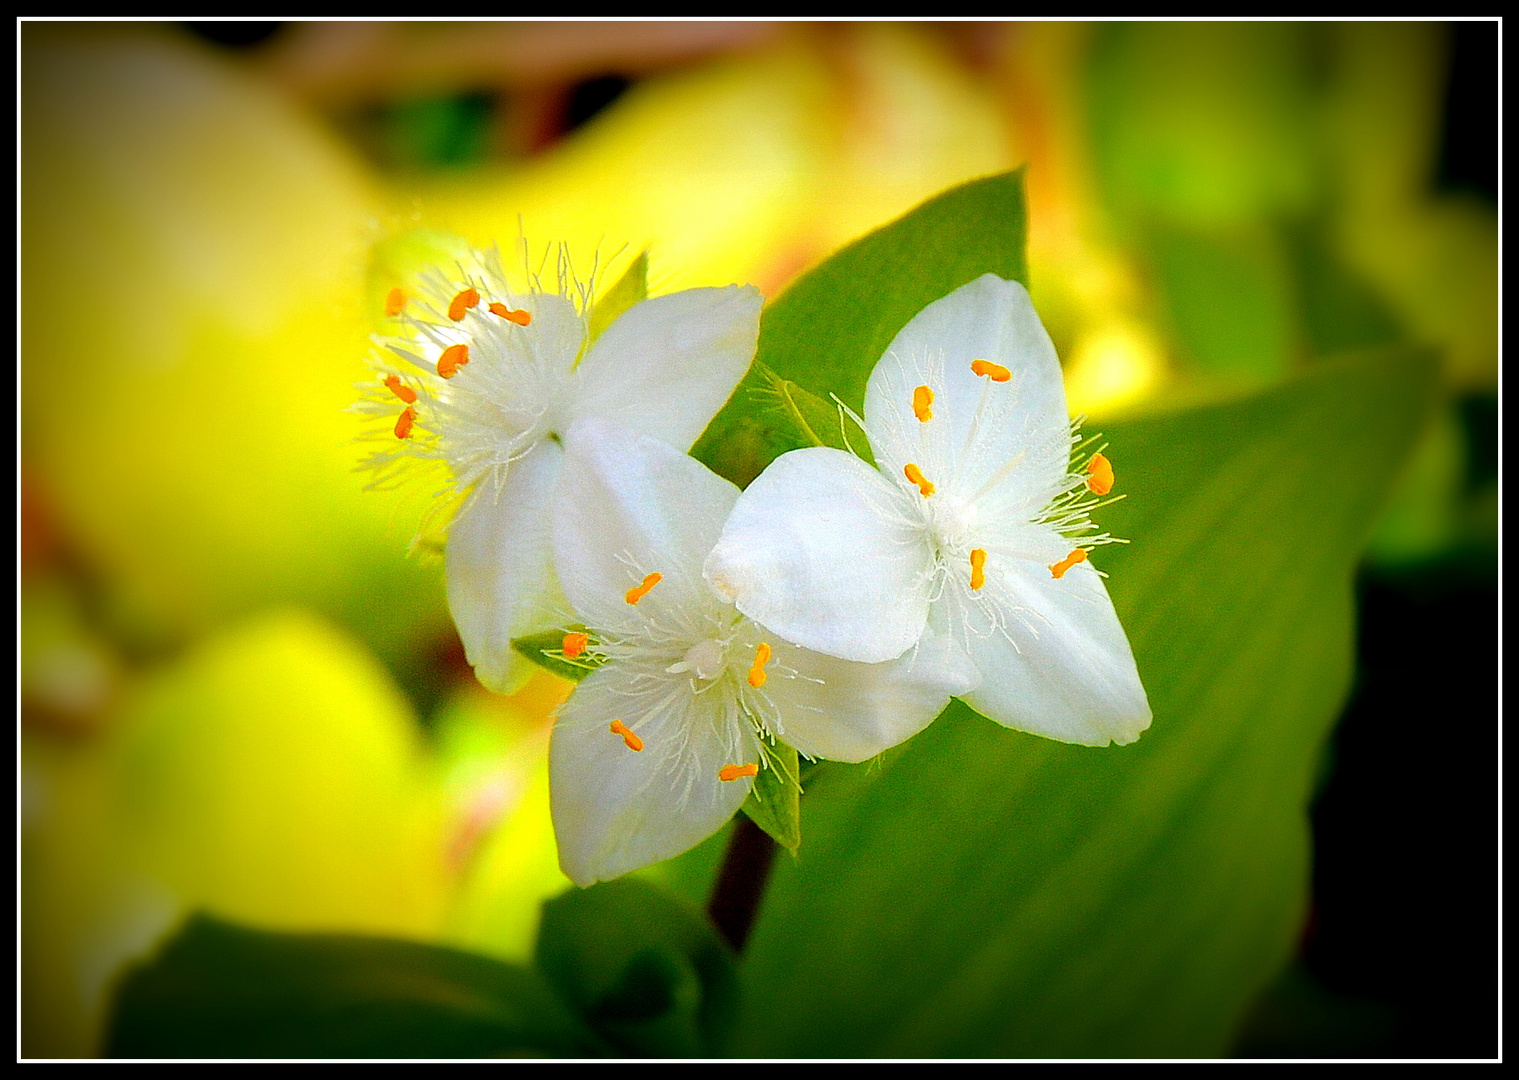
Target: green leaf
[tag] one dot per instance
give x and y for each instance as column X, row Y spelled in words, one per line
column 986, row 892
column 774, row 803
column 649, row 974
column 546, row 649
column 219, row 990
column 828, row 330
column 630, row 289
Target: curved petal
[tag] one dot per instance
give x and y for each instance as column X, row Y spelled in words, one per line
column 667, row 365
column 821, row 549
column 631, row 505
column 1012, row 436
column 845, row 711
column 616, row 810
column 1064, row 669
column 501, row 580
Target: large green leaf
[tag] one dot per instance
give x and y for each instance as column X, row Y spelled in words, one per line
column 827, row 330
column 218, row 990
column 986, row 892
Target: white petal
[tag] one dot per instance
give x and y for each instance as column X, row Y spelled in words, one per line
column 501, row 581
column 845, row 711
column 821, row 550
column 1071, row 675
column 616, row 810
column 1012, row 435
column 668, row 364
column 631, row 505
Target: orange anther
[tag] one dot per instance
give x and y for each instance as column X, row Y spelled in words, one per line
column 638, row 592
column 737, row 772
column 761, row 658
column 403, row 425
column 574, row 645
column 1100, row 479
column 633, row 741
column 520, row 317
column 978, row 568
column 405, row 393
column 1059, row 569
column 454, row 357
column 915, row 475
column 986, row 367
column 395, row 300
column 462, row 303
column 922, row 398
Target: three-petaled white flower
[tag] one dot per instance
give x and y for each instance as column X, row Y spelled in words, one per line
column 488, row 380
column 974, row 529
column 658, row 746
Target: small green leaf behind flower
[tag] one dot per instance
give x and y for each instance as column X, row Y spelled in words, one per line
column 774, row 804
column 546, row 649
column 632, row 288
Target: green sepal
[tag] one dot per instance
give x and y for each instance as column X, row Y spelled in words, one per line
column 546, row 650
column 774, row 802
column 813, row 421
column 632, row 288
column 648, row 973
column 223, row 991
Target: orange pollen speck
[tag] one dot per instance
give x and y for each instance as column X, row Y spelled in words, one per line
column 922, row 399
column 638, row 592
column 403, row 424
column 1059, row 569
column 521, row 317
column 986, row 367
column 395, row 300
column 405, row 393
column 761, row 658
column 729, row 773
column 633, row 741
column 915, row 475
column 462, row 303
column 978, row 568
column 574, row 645
column 454, row 357
column 1100, row 480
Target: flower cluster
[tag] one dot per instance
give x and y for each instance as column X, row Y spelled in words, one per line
column 832, row 606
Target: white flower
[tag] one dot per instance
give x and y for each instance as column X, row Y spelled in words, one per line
column 657, row 748
column 975, row 527
column 488, row 380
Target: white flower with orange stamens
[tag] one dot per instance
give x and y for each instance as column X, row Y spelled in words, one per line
column 975, row 526
column 659, row 745
column 487, row 380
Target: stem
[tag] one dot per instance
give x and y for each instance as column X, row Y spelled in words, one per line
column 741, row 882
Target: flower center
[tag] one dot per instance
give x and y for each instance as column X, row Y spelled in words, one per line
column 704, row 660
column 951, row 521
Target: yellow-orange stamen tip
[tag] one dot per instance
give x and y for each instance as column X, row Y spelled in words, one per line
column 997, row 372
column 978, row 568
column 1077, row 556
column 638, row 592
column 521, row 316
column 633, row 742
column 730, row 773
column 915, row 475
column 574, row 645
column 395, row 300
column 761, row 658
column 454, row 357
column 1100, row 478
column 400, row 390
column 922, row 399
column 403, row 424
column 462, row 303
